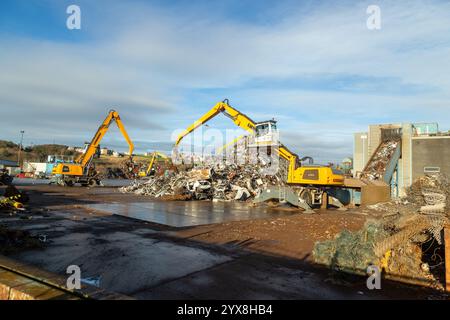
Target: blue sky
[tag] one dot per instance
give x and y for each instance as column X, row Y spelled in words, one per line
column 314, row 66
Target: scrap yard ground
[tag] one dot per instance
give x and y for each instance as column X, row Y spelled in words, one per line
column 257, row 258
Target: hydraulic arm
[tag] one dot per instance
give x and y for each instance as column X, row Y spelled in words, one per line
column 294, row 176
column 238, row 118
column 86, row 157
column 81, row 170
column 148, row 171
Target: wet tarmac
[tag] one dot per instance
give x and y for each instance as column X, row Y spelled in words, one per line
column 106, row 182
column 188, row 213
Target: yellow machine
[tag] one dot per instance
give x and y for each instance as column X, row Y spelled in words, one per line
column 309, row 182
column 152, row 162
column 81, row 171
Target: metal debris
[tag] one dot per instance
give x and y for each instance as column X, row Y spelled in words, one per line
column 395, row 241
column 432, row 193
column 217, row 182
column 13, row 199
column 376, row 167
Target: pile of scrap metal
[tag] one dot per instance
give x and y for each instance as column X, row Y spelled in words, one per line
column 406, row 241
column 377, row 165
column 130, row 168
column 12, row 199
column 115, row 173
column 127, row 169
column 431, row 193
column 5, row 178
column 218, row 182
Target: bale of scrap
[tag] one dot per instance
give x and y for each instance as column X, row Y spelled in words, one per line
column 394, row 241
column 351, row 251
column 431, row 192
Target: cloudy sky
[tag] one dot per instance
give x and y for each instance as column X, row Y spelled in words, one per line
column 312, row 65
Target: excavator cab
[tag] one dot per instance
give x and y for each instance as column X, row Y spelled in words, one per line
column 266, row 133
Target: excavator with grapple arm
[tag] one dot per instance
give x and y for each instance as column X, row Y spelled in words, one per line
column 82, row 170
column 308, row 184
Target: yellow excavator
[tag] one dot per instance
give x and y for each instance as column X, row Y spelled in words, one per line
column 82, row 170
column 308, row 183
column 149, row 171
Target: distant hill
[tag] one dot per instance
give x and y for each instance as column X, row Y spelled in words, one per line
column 38, row 153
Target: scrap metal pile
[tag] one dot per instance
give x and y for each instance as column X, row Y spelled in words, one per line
column 376, row 167
column 127, row 169
column 431, row 193
column 405, row 241
column 12, row 199
column 212, row 182
column 115, row 173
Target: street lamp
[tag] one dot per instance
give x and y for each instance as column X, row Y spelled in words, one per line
column 20, row 146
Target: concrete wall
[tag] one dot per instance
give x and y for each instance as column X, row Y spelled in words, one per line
column 405, row 178
column 374, row 138
column 430, row 152
column 360, row 151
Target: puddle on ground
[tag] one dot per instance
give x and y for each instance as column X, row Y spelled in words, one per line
column 187, row 213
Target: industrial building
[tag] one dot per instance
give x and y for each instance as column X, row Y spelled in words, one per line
column 423, row 150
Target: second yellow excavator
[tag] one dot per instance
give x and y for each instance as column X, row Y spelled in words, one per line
column 82, row 171
column 310, row 182
column 150, row 168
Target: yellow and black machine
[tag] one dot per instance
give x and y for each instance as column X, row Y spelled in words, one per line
column 151, row 166
column 82, row 170
column 309, row 184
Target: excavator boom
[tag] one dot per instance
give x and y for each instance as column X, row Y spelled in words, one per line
column 81, row 171
column 238, row 118
column 296, row 173
column 86, row 157
column 155, row 154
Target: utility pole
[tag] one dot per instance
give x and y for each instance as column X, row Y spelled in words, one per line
column 20, row 146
